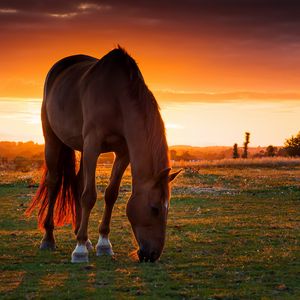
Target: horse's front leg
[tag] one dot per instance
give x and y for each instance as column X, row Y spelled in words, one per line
column 78, row 192
column 88, row 199
column 111, row 194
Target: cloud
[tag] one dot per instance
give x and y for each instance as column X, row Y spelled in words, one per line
column 93, row 6
column 8, row 11
column 277, row 19
column 65, row 15
column 82, row 8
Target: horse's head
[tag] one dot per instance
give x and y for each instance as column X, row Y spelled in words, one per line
column 147, row 211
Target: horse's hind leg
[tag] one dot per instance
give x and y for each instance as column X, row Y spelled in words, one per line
column 111, row 194
column 53, row 182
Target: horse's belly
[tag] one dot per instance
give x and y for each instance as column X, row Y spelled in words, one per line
column 114, row 143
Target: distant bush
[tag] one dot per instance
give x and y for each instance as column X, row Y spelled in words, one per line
column 292, row 145
column 271, row 151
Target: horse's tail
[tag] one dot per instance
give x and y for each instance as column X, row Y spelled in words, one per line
column 64, row 209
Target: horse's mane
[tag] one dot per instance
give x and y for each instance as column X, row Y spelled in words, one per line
column 148, row 106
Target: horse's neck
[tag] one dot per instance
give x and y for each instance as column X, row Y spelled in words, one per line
column 141, row 162
column 143, row 156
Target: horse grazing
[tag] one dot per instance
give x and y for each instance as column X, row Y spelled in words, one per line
column 97, row 106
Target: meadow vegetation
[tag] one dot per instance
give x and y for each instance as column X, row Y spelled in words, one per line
column 233, row 233
column 19, row 156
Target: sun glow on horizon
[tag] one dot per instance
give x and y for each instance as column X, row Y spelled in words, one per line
column 20, row 120
column 195, row 124
column 173, row 126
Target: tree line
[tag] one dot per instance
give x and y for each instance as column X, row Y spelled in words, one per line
column 25, row 156
column 291, row 148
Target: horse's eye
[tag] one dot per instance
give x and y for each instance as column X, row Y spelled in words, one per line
column 155, row 210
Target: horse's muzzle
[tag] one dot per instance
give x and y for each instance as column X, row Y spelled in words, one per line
column 146, row 255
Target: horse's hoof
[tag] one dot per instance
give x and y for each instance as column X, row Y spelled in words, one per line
column 47, row 245
column 104, row 250
column 80, row 258
column 104, row 247
column 80, row 254
column 89, row 245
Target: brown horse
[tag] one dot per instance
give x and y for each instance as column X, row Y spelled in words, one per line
column 97, row 106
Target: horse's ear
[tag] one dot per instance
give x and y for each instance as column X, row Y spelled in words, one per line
column 172, row 176
column 162, row 175
column 165, row 173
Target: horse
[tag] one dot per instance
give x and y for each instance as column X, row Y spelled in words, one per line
column 96, row 106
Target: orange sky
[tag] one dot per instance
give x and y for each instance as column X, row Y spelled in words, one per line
column 169, row 66
column 188, row 51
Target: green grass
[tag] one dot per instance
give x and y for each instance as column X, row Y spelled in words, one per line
column 233, row 233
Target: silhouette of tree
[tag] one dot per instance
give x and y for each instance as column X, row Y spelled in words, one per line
column 292, row 145
column 247, row 141
column 235, row 152
column 271, row 151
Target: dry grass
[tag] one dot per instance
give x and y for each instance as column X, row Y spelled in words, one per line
column 271, row 162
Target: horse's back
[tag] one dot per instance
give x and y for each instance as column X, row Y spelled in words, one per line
column 86, row 96
column 62, row 98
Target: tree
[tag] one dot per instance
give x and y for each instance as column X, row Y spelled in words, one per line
column 271, row 151
column 247, row 141
column 292, row 145
column 235, row 152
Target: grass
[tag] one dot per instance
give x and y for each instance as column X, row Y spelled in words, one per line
column 233, row 233
column 262, row 162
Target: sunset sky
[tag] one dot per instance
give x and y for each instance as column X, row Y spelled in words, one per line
column 218, row 68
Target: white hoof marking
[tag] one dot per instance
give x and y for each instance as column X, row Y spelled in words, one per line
column 104, row 247
column 80, row 254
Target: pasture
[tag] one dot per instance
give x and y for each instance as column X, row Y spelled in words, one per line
column 233, row 233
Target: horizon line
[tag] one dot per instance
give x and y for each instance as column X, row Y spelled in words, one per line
column 170, row 146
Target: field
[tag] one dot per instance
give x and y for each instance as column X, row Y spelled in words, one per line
column 233, row 233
